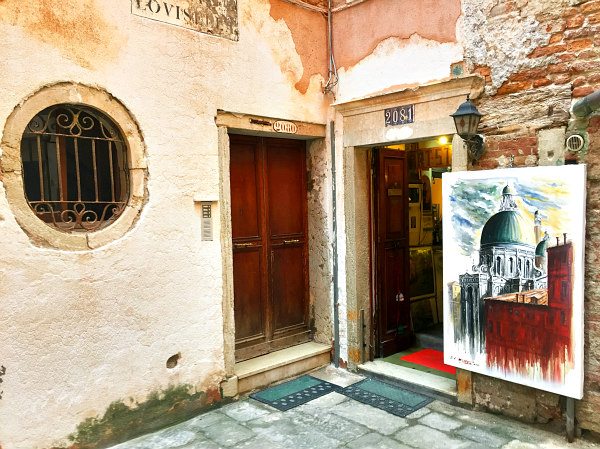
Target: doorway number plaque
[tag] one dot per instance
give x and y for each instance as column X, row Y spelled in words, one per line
column 399, row 115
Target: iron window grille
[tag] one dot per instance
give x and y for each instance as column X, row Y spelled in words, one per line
column 75, row 172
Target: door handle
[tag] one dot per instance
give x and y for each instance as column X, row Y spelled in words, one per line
column 399, row 297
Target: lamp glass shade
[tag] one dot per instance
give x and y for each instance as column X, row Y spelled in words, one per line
column 466, row 119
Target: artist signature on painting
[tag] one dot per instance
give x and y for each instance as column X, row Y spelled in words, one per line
column 463, row 361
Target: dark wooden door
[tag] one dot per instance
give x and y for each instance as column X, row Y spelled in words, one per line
column 270, row 258
column 392, row 300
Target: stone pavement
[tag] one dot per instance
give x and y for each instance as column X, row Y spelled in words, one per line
column 335, row 421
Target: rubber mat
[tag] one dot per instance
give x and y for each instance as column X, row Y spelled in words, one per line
column 395, row 400
column 294, row 392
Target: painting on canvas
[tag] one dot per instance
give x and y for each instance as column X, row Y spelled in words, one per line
column 513, row 274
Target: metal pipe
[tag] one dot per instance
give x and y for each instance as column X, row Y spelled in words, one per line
column 336, row 316
column 587, row 105
column 348, row 5
column 361, row 335
column 329, row 36
column 332, row 79
column 570, row 420
column 307, row 6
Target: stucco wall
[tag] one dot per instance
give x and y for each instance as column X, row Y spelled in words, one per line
column 83, row 329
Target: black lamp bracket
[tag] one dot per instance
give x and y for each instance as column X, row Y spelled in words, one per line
column 475, row 147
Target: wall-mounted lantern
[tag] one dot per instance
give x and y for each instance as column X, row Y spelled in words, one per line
column 466, row 119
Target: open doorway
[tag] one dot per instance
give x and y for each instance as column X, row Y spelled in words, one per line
column 406, row 255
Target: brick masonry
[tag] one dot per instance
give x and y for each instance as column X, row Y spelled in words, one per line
column 530, row 89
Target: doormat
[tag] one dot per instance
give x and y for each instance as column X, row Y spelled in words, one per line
column 431, row 358
column 294, row 392
column 390, row 398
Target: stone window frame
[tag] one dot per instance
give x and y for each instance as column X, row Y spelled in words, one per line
column 40, row 233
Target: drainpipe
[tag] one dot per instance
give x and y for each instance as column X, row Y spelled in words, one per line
column 581, row 110
column 587, row 105
column 332, row 80
column 336, row 316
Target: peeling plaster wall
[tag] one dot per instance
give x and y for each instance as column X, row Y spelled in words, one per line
column 398, row 62
column 309, row 31
column 358, row 30
column 83, row 329
column 502, row 33
column 384, row 44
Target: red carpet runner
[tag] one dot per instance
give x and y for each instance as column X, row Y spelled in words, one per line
column 429, row 358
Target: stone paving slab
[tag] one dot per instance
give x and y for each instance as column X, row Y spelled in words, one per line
column 440, row 421
column 483, row 436
column 245, row 410
column 375, row 419
column 375, row 441
column 334, row 421
column 423, row 437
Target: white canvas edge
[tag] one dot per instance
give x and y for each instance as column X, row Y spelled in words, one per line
column 573, row 386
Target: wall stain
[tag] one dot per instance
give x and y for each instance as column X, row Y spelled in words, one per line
column 77, row 29
column 2, row 373
column 122, row 422
column 309, row 33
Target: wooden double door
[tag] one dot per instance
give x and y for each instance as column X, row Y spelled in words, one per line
column 270, row 255
column 391, row 295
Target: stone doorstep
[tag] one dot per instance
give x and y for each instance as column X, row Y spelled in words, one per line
column 267, row 369
column 418, row 381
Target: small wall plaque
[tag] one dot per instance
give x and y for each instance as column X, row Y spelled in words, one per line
column 400, row 115
column 282, row 126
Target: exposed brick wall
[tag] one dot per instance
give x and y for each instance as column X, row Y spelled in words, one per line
column 572, row 54
column 587, row 410
column 535, row 93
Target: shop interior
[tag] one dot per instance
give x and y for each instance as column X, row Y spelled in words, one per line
column 427, row 160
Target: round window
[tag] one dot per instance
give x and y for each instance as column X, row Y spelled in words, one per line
column 74, row 167
column 75, row 174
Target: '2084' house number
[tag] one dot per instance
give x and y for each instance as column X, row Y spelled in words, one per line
column 400, row 115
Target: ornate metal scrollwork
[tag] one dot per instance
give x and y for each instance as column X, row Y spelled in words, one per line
column 79, row 215
column 67, row 120
column 76, row 175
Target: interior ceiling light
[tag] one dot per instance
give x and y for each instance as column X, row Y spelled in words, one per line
column 443, row 140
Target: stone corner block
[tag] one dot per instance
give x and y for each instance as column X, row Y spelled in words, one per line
column 229, row 387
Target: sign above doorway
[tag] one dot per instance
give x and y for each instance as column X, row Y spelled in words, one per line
column 219, row 18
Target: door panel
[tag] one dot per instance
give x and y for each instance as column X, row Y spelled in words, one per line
column 288, row 279
column 269, row 219
column 249, row 319
column 286, row 189
column 245, row 190
column 394, row 331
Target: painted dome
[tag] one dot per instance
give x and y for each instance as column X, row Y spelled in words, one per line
column 507, row 226
column 540, row 249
